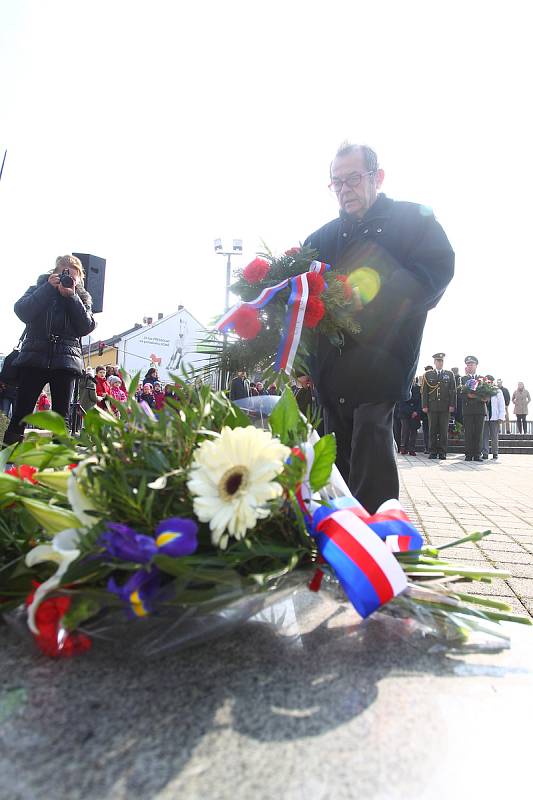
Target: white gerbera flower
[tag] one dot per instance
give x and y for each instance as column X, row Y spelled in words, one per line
column 233, row 480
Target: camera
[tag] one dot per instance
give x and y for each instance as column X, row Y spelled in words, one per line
column 65, row 279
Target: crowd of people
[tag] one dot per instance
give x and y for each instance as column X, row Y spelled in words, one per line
column 441, row 405
column 302, row 386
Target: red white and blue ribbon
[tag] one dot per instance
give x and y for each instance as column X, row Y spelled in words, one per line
column 295, row 317
column 366, row 568
column 227, row 322
column 295, row 313
column 390, row 522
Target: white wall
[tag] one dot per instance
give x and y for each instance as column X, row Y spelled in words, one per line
column 174, row 340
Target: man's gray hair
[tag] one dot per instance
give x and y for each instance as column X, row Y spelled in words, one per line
column 369, row 155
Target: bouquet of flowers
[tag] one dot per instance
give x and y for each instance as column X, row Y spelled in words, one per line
column 284, row 302
column 165, row 530
column 455, row 429
column 480, row 387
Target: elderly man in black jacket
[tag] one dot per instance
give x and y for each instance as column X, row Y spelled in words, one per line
column 400, row 260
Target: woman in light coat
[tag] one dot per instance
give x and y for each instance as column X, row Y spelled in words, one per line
column 521, row 399
column 494, row 414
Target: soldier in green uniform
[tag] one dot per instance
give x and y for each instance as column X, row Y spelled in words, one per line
column 439, row 398
column 474, row 411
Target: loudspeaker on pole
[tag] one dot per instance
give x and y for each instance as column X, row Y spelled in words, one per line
column 94, row 268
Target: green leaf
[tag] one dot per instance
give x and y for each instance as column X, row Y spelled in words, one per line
column 237, row 418
column 325, row 454
column 82, row 608
column 286, row 420
column 8, row 483
column 48, row 421
column 53, row 518
column 182, row 567
column 5, row 456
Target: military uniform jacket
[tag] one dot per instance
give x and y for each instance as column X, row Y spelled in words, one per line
column 472, row 406
column 438, row 394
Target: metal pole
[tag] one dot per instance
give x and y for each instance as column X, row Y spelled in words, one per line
column 228, row 279
column 3, row 162
column 224, row 374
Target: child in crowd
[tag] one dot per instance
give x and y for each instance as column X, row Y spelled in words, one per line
column 43, row 403
column 116, row 388
column 103, row 388
column 147, row 395
column 159, row 396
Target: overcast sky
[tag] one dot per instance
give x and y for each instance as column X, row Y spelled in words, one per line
column 140, row 131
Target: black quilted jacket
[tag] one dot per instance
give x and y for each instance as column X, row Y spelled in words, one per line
column 54, row 325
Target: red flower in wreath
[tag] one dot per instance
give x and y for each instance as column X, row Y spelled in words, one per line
column 314, row 311
column 53, row 640
column 316, row 283
column 247, row 323
column 24, row 472
column 292, row 251
column 256, row 270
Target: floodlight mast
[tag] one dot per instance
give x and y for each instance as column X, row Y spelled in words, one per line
column 3, row 162
column 235, row 251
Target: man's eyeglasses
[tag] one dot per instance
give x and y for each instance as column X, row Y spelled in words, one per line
column 352, row 181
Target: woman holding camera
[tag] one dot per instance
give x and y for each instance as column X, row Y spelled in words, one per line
column 57, row 312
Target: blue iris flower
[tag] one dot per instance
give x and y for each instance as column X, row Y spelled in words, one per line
column 174, row 537
column 138, row 592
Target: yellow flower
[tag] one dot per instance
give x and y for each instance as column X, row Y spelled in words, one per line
column 233, row 479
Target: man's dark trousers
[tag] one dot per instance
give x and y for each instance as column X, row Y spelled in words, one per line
column 365, row 450
column 438, row 431
column 473, row 431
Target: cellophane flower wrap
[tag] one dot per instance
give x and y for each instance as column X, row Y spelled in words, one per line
column 157, row 531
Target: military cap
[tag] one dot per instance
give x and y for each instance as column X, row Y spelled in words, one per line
column 489, row 377
column 471, row 360
column 427, row 368
column 438, row 355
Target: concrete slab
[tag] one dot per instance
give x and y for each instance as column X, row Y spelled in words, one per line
column 342, row 709
column 338, row 709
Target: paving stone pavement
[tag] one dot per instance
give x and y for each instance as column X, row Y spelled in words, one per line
column 449, row 499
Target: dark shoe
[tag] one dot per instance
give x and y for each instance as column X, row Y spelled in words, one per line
column 426, row 451
column 468, row 458
column 485, row 456
column 478, row 458
column 495, row 456
column 412, row 453
column 403, row 452
column 442, row 456
column 432, row 455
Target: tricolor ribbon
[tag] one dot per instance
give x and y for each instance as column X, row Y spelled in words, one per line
column 390, row 522
column 366, row 568
column 296, row 307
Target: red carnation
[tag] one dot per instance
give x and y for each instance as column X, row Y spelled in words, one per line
column 247, row 323
column 316, row 283
column 314, row 311
column 292, row 251
column 24, row 472
column 52, row 640
column 256, row 270
column 347, row 286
